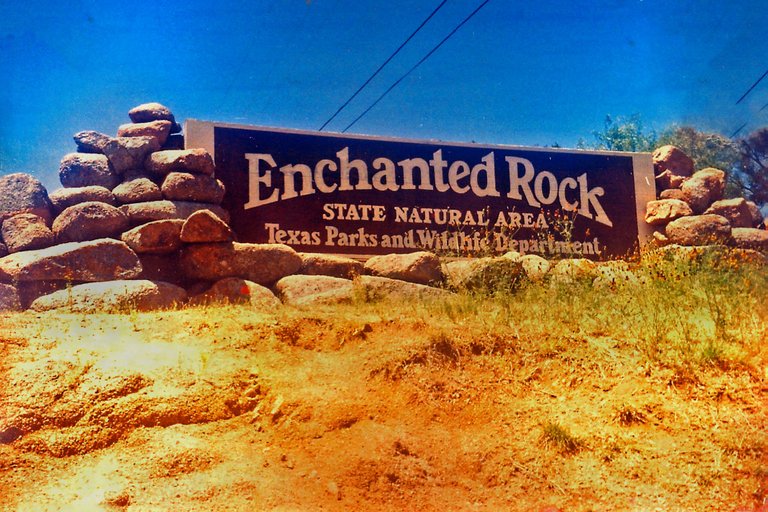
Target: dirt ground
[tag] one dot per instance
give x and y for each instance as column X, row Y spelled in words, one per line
column 361, row 409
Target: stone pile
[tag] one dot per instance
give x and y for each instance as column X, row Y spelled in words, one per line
column 138, row 224
column 691, row 209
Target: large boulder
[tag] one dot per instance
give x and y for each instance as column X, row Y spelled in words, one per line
column 63, row 198
column 95, row 260
column 89, row 221
column 139, row 189
column 86, row 169
column 201, row 188
column 204, row 226
column 329, row 265
column 125, row 153
column 139, row 213
column 418, row 267
column 147, row 112
column 157, row 130
column 757, row 215
column 670, row 164
column 161, row 267
column 90, row 141
column 698, row 230
column 737, row 212
column 535, row 267
column 750, row 238
column 195, row 161
column 672, row 193
column 263, row 264
column 303, row 290
column 22, row 193
column 663, row 211
column 375, row 288
column 9, row 299
column 158, row 237
column 704, row 188
column 572, row 270
column 485, row 274
column 26, row 232
column 113, row 296
column 233, row 290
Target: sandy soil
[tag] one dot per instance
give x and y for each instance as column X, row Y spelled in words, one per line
column 337, row 409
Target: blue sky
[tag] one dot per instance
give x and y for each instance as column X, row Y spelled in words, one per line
column 526, row 73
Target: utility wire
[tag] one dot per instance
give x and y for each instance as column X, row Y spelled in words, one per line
column 382, row 66
column 753, row 86
column 738, row 130
column 433, row 50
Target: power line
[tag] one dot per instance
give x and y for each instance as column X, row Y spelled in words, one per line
column 738, row 130
column 433, row 50
column 753, row 86
column 382, row 66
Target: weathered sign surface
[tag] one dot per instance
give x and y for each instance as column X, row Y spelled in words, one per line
column 360, row 195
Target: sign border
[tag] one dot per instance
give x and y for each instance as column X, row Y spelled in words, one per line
column 200, row 134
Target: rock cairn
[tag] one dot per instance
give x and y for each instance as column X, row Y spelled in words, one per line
column 138, row 224
column 691, row 209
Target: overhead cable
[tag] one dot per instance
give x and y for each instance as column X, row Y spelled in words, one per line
column 433, row 50
column 382, row 65
column 753, row 86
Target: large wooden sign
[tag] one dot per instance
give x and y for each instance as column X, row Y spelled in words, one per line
column 360, row 195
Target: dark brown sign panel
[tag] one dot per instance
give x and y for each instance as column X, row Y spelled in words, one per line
column 332, row 193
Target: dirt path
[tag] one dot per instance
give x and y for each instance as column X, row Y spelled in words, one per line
column 339, row 410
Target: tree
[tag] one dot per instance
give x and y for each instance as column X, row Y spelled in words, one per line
column 622, row 134
column 752, row 174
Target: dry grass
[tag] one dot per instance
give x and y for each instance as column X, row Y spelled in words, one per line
column 647, row 394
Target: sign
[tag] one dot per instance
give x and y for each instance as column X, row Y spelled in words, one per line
column 361, row 195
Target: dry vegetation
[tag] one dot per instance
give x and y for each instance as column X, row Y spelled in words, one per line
column 642, row 394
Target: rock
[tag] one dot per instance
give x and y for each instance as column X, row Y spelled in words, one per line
column 161, row 267
column 233, row 290
column 672, row 193
column 86, row 169
column 9, row 299
column 303, row 290
column 512, row 255
column 89, row 221
column 749, row 238
column 418, row 267
column 152, row 111
column 195, row 161
column 662, row 211
column 22, row 193
column 139, row 213
column 175, row 140
column 201, row 188
column 109, row 296
column 486, row 274
column 158, row 130
column 26, row 232
column 63, row 198
column 668, row 162
column 158, row 237
column 735, row 210
column 698, row 230
column 96, row 260
column 572, row 270
column 535, row 266
column 329, row 265
column 660, row 239
column 204, row 226
column 3, row 249
column 263, row 264
column 90, row 141
column 757, row 215
column 29, row 291
column 137, row 190
column 374, row 288
column 125, row 153
column 703, row 188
